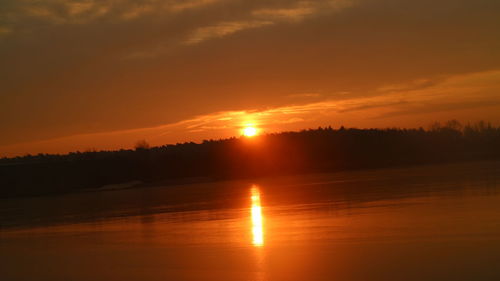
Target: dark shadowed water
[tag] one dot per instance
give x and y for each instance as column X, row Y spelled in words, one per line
column 438, row 222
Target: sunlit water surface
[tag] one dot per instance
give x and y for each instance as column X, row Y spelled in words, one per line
column 425, row 223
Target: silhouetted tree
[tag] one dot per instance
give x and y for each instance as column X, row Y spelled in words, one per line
column 141, row 145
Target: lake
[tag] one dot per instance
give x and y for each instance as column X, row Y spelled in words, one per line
column 436, row 222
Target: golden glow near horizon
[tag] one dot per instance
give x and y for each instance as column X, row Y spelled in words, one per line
column 257, row 229
column 249, row 131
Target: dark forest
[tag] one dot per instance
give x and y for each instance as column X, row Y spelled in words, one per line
column 307, row 151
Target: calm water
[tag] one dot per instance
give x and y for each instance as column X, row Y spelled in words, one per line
column 424, row 223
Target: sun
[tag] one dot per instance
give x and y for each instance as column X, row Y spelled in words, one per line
column 249, row 131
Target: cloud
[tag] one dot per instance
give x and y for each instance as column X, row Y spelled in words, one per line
column 19, row 14
column 451, row 93
column 221, row 29
column 459, row 92
column 305, row 95
column 251, row 18
column 287, row 14
column 409, row 86
column 300, row 10
column 61, row 12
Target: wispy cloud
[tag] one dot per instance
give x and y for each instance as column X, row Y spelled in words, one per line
column 305, row 95
column 291, row 14
column 221, row 29
column 256, row 16
column 19, row 13
column 300, row 10
column 62, row 12
column 292, row 11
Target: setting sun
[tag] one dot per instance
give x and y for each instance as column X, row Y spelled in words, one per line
column 249, row 131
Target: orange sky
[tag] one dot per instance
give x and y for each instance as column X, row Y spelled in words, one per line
column 88, row 74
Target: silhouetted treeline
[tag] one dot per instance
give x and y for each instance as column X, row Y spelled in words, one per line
column 318, row 150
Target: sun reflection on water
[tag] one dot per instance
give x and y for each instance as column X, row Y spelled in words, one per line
column 257, row 229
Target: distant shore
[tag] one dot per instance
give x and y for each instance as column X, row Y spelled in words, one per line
column 288, row 153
